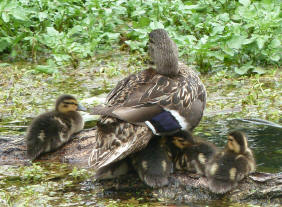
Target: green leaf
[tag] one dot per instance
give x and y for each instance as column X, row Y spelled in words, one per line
column 191, row 7
column 243, row 69
column 248, row 41
column 112, row 36
column 245, row 2
column 228, row 51
column 275, row 57
column 217, row 29
column 42, row 16
column 275, row 43
column 223, row 17
column 259, row 70
column 138, row 13
column 261, row 40
column 49, row 69
column 4, row 65
column 143, row 22
column 236, row 42
column 218, row 55
column 134, row 45
column 20, row 14
column 3, row 44
column 191, row 38
column 5, row 17
column 156, row 25
column 3, row 4
column 52, row 31
column 76, row 29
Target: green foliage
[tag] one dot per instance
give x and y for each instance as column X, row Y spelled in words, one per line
column 240, row 35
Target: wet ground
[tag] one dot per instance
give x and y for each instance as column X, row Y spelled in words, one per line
column 243, row 103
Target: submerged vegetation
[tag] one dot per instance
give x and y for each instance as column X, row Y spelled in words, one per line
column 243, row 36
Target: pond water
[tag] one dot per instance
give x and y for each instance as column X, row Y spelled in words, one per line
column 53, row 184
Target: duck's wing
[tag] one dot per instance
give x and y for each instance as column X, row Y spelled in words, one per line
column 117, row 139
column 131, row 114
column 130, row 101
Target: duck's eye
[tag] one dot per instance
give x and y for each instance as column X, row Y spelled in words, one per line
column 230, row 140
column 151, row 41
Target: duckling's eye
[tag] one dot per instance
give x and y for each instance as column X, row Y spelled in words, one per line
column 70, row 103
column 230, row 140
column 151, row 41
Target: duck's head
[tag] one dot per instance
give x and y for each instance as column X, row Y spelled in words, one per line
column 67, row 103
column 237, row 142
column 163, row 52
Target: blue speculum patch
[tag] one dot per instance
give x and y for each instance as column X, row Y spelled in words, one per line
column 165, row 122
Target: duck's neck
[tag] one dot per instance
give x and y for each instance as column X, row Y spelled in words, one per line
column 167, row 61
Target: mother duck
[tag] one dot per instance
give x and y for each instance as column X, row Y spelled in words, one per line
column 160, row 101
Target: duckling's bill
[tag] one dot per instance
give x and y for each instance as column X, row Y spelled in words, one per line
column 81, row 108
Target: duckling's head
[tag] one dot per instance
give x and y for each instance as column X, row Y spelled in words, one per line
column 237, row 142
column 163, row 52
column 67, row 103
column 183, row 139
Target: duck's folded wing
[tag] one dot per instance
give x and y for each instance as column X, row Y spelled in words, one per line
column 129, row 114
column 116, row 140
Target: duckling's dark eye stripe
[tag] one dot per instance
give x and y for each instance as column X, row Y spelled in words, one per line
column 70, row 103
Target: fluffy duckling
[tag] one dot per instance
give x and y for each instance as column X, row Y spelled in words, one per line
column 231, row 165
column 153, row 164
column 191, row 153
column 51, row 130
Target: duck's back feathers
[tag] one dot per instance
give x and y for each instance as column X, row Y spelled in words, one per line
column 142, row 96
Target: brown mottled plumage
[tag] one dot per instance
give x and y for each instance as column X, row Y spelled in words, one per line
column 191, row 153
column 230, row 165
column 51, row 130
column 131, row 113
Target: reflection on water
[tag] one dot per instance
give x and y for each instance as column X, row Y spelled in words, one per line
column 264, row 138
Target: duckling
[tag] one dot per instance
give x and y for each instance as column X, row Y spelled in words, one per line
column 51, row 130
column 191, row 153
column 230, row 165
column 155, row 101
column 153, row 164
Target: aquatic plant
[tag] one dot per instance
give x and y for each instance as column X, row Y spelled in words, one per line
column 242, row 36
